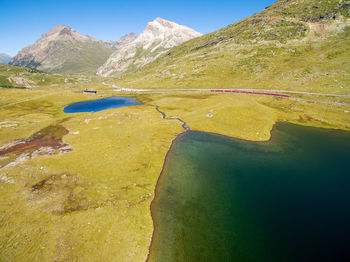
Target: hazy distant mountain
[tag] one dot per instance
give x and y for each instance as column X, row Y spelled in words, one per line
column 158, row 37
column 4, row 58
column 64, row 50
column 126, row 39
column 123, row 40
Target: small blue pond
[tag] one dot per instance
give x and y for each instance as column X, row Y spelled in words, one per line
column 101, row 104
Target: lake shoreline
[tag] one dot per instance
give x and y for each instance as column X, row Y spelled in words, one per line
column 166, row 163
column 161, row 177
column 156, row 193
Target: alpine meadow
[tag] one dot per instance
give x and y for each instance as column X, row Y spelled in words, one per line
column 171, row 143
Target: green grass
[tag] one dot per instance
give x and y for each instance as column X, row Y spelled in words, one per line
column 40, row 79
column 315, row 66
column 310, row 10
column 4, row 82
column 93, row 203
column 274, row 49
column 81, row 59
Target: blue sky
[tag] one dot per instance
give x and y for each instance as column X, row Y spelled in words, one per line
column 23, row 21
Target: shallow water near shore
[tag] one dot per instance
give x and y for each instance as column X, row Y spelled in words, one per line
column 101, row 104
column 222, row 199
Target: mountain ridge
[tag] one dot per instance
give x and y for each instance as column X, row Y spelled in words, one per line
column 64, row 50
column 158, row 37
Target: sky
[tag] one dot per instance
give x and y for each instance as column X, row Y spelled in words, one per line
column 22, row 22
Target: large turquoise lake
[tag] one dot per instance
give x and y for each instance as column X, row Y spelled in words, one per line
column 222, row 199
column 101, row 104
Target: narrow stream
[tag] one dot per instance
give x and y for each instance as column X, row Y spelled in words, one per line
column 184, row 124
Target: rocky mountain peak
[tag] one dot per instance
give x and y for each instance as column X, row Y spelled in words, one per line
column 66, row 31
column 59, row 30
column 63, row 46
column 165, row 33
column 159, row 25
column 164, row 23
column 127, row 38
column 158, row 36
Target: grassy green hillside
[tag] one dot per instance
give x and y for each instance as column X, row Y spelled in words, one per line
column 23, row 77
column 299, row 45
column 80, row 58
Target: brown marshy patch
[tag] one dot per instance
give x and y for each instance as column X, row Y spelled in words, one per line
column 144, row 99
column 309, row 119
column 58, row 194
column 51, row 182
column 47, row 141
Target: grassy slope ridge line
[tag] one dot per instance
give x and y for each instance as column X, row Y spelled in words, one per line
column 296, row 45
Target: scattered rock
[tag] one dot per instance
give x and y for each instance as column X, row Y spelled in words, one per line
column 18, row 160
column 43, row 151
column 3, row 157
column 21, row 81
column 5, row 179
column 8, row 124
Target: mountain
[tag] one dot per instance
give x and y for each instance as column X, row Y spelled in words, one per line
column 122, row 41
column 126, row 39
column 4, row 58
column 292, row 44
column 64, row 50
column 158, row 37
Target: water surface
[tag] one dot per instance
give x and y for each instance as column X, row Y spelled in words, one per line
column 101, row 104
column 222, row 199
